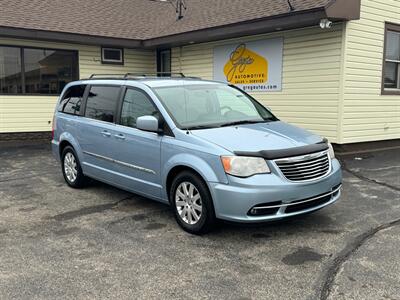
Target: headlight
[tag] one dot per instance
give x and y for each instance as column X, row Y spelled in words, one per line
column 243, row 166
column 331, row 151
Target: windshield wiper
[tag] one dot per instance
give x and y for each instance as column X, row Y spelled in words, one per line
column 198, row 127
column 242, row 122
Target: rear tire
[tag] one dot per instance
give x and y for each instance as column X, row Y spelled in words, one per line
column 71, row 168
column 192, row 203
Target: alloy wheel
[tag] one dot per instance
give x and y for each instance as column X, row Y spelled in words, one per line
column 70, row 167
column 188, row 203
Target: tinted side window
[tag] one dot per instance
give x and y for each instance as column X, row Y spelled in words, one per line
column 101, row 103
column 72, row 100
column 136, row 104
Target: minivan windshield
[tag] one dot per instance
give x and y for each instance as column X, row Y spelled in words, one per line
column 196, row 106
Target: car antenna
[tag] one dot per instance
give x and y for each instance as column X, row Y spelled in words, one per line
column 179, row 6
column 291, row 8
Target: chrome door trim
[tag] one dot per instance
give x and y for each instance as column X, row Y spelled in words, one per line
column 121, row 163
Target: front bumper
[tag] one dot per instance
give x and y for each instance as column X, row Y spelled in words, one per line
column 234, row 201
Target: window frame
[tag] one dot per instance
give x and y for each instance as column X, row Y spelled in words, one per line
column 22, row 54
column 121, row 104
column 159, row 61
column 110, row 61
column 167, row 131
column 385, row 91
column 62, row 96
column 117, row 102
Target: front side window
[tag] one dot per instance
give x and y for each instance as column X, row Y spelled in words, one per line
column 72, row 100
column 10, row 70
column 101, row 103
column 199, row 106
column 36, row 70
column 391, row 75
column 136, row 104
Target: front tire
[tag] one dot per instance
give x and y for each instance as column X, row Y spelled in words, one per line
column 192, row 203
column 71, row 168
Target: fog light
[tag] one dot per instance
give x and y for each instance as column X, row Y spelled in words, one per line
column 253, row 211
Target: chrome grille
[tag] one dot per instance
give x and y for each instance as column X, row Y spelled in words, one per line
column 306, row 167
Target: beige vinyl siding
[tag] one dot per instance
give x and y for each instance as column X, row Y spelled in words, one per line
column 311, row 76
column 368, row 115
column 19, row 113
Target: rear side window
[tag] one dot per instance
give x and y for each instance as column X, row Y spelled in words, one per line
column 72, row 100
column 101, row 103
column 136, row 104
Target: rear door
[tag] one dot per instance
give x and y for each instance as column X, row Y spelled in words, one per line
column 137, row 153
column 96, row 131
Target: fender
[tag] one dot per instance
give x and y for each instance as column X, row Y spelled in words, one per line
column 66, row 136
column 196, row 163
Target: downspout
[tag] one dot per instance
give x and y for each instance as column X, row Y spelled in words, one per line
column 342, row 82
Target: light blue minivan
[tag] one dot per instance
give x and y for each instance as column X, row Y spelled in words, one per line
column 208, row 149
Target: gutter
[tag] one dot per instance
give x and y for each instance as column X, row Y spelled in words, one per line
column 65, row 37
column 335, row 10
column 286, row 21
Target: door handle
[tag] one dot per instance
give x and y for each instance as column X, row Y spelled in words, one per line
column 120, row 136
column 106, row 133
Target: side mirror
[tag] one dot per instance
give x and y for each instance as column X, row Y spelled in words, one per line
column 148, row 123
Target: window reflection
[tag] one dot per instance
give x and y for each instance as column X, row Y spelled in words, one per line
column 36, row 71
column 48, row 71
column 10, row 70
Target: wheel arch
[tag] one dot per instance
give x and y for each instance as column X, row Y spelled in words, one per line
column 191, row 163
column 177, row 170
column 66, row 139
column 63, row 145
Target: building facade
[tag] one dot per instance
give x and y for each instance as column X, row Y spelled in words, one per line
column 341, row 81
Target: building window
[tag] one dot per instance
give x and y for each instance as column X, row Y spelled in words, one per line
column 10, row 70
column 48, row 71
column 112, row 56
column 164, row 62
column 391, row 69
column 36, row 71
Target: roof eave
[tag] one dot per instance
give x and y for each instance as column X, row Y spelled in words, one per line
column 343, row 9
column 54, row 36
column 336, row 10
column 253, row 27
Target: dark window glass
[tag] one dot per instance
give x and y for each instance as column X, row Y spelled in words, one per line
column 164, row 62
column 391, row 73
column 136, row 104
column 72, row 100
column 393, row 45
column 112, row 55
column 101, row 103
column 48, row 71
column 10, row 70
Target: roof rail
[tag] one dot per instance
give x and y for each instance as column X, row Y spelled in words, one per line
column 137, row 75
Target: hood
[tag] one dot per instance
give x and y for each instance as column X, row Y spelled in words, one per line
column 257, row 137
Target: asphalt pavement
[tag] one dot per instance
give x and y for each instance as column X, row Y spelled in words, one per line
column 102, row 242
